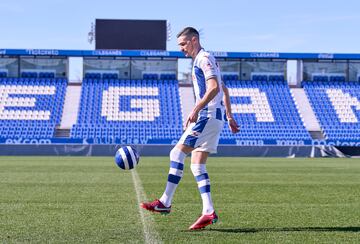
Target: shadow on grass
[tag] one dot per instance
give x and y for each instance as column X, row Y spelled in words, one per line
column 287, row 229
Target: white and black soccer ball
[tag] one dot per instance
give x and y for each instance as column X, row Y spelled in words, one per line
column 126, row 157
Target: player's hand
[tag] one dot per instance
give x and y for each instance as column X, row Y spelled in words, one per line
column 193, row 116
column 234, row 127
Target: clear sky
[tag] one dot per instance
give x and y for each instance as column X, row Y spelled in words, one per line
column 228, row 25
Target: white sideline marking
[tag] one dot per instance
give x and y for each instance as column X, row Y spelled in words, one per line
column 150, row 234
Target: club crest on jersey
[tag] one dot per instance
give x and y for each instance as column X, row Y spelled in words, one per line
column 208, row 68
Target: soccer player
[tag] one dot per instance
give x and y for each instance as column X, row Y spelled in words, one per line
column 203, row 127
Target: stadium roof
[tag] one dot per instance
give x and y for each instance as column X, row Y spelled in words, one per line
column 174, row 54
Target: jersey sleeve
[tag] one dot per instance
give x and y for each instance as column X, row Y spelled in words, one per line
column 208, row 66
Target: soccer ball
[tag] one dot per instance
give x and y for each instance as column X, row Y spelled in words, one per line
column 126, row 157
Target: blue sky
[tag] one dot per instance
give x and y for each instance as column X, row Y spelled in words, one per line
column 228, row 25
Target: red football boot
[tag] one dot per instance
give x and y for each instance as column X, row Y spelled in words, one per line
column 204, row 220
column 156, row 206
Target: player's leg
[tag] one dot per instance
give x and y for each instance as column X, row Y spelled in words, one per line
column 177, row 158
column 190, row 139
column 198, row 168
column 208, row 142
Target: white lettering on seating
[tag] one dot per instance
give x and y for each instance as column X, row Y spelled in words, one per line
column 343, row 103
column 111, row 109
column 26, row 102
column 259, row 104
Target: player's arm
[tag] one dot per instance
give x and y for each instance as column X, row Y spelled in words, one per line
column 212, row 89
column 234, row 127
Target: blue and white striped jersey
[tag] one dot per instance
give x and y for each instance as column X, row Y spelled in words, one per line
column 204, row 68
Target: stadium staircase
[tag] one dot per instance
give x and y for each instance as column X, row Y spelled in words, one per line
column 62, row 133
column 187, row 99
column 303, row 105
column 71, row 106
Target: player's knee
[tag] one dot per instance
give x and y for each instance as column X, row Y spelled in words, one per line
column 177, row 155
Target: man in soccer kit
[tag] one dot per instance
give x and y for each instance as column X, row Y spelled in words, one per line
column 203, row 127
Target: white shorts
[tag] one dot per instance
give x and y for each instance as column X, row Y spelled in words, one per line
column 203, row 135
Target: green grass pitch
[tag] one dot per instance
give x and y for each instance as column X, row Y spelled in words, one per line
column 258, row 200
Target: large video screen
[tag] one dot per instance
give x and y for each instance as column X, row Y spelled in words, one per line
column 130, row 34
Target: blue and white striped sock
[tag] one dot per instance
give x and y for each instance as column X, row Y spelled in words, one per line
column 177, row 158
column 203, row 182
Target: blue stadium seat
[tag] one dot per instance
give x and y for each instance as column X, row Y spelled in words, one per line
column 110, row 76
column 322, row 78
column 150, row 76
column 230, row 77
column 167, row 77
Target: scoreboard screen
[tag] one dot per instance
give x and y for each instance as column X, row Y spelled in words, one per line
column 130, row 34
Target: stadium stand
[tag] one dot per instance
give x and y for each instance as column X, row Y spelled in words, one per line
column 337, row 107
column 139, row 109
column 30, row 107
column 131, row 103
column 265, row 111
column 108, row 111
